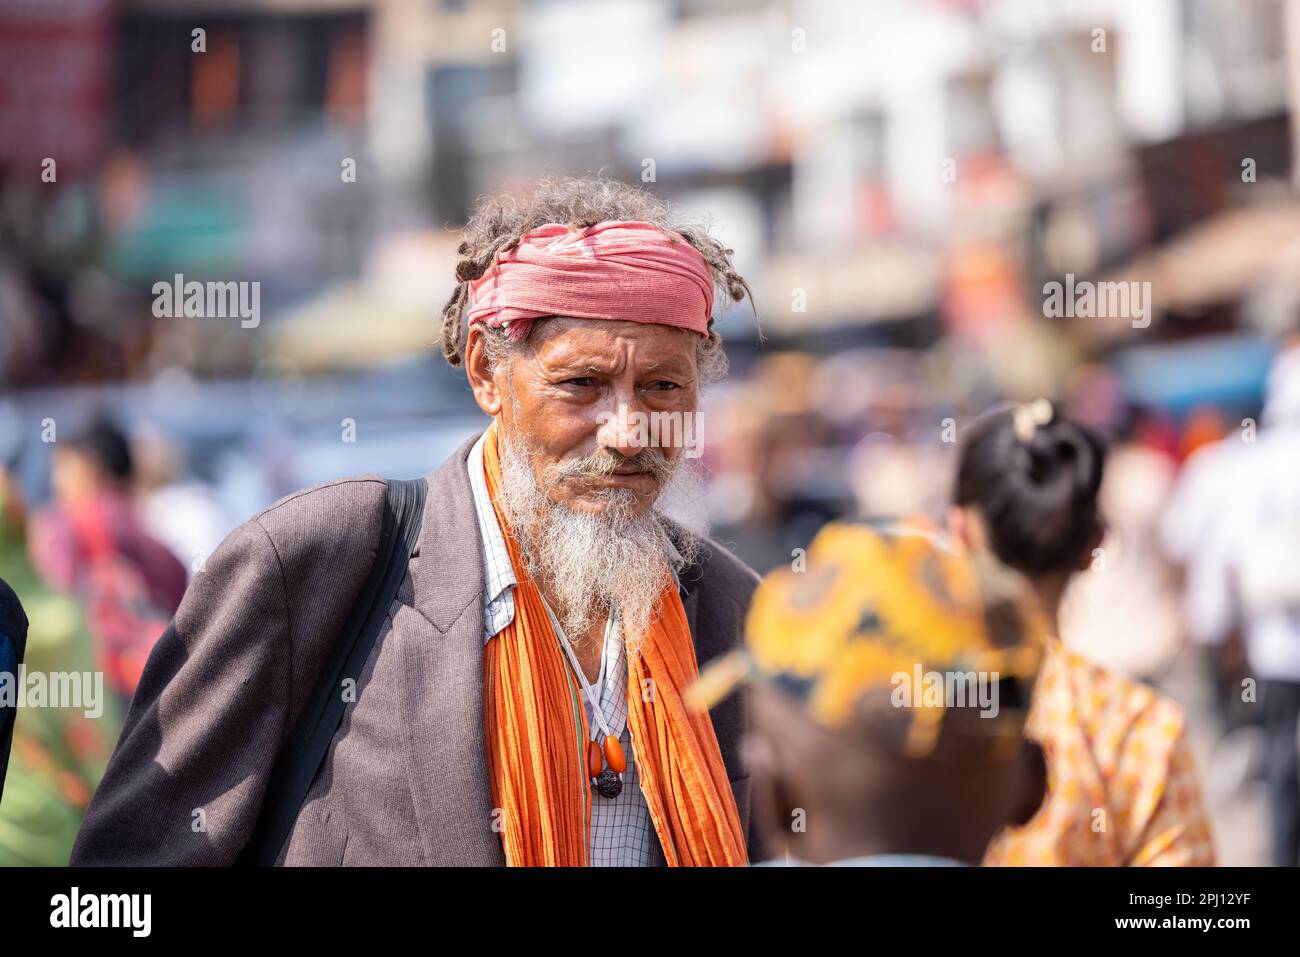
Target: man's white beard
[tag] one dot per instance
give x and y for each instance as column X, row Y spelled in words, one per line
column 588, row 563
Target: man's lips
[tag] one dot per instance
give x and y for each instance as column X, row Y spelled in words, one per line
column 620, row 479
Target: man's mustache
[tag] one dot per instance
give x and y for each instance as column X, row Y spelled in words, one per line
column 607, row 462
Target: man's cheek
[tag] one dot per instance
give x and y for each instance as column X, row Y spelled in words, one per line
column 563, row 432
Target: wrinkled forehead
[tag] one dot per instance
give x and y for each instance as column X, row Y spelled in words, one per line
column 600, row 341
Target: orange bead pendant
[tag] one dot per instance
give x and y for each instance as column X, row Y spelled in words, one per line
column 614, row 755
column 595, row 760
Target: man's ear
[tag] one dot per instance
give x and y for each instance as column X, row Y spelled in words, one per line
column 478, row 369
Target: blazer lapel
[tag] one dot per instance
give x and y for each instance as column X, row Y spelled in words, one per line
column 691, row 605
column 688, row 582
column 729, row 715
column 442, row 680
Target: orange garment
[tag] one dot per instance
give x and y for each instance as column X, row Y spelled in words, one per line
column 1122, row 788
column 537, row 733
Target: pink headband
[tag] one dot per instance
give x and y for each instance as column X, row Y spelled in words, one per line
column 618, row 269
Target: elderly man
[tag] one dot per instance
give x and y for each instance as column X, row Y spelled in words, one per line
column 522, row 703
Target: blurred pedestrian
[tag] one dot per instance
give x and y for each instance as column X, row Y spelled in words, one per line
column 1245, row 499
column 891, row 679
column 176, row 508
column 58, row 754
column 90, row 542
column 1122, row 786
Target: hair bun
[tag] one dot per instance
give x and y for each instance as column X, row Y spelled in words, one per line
column 1027, row 418
column 1040, row 457
column 1034, row 476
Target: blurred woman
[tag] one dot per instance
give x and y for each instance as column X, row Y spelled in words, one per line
column 90, row 543
column 1122, row 788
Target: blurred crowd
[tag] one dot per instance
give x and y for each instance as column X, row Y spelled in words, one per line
column 1189, row 591
column 99, row 588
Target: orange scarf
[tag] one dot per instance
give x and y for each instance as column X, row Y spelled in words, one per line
column 537, row 734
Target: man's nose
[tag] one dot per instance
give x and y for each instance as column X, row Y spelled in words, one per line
column 623, row 429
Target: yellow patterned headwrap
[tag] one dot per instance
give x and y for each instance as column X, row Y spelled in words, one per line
column 876, row 606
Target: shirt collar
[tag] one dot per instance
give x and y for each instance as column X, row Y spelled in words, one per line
column 498, row 572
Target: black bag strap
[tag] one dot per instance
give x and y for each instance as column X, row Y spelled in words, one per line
column 301, row 755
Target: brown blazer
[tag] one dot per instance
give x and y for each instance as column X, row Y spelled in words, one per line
column 405, row 779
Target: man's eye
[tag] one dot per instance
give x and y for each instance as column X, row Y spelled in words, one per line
column 663, row 385
column 580, row 382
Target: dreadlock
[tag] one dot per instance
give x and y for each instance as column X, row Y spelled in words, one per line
column 497, row 223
